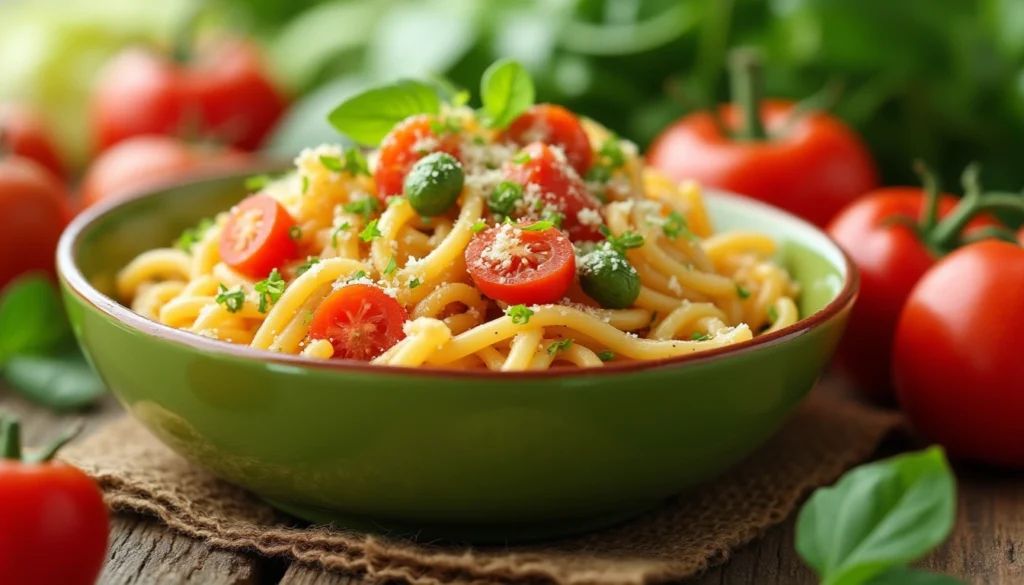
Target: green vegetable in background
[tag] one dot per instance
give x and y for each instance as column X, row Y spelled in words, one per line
column 38, row 357
column 877, row 518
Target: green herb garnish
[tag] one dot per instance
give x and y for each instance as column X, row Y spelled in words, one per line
column 627, row 241
column 305, row 266
column 504, row 197
column 365, row 207
column 521, row 157
column 506, row 91
column 370, row 232
column 391, row 267
column 479, row 227
column 369, row 116
column 270, row 289
column 560, row 345
column 305, row 184
column 520, row 314
column 257, row 182
column 193, row 236
column 741, row 292
column 231, row 299
column 773, row 315
column 698, row 336
column 606, row 355
column 538, row 226
column 675, row 226
column 334, row 235
column 414, row 282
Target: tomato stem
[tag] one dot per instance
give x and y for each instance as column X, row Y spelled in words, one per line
column 824, row 99
column 184, row 37
column 746, row 72
column 10, row 438
column 932, row 194
column 47, row 453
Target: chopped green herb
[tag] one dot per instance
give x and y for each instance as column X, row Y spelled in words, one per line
column 192, row 236
column 333, row 163
column 365, row 207
column 675, row 226
column 505, row 196
column 359, row 274
column 627, row 241
column 560, row 345
column 445, row 125
column 414, row 282
column 370, row 232
column 554, row 217
column 231, row 299
column 391, row 267
column 520, row 314
column 355, row 162
column 599, row 174
column 305, row 184
column 479, row 227
column 305, row 266
column 521, row 157
column 606, row 355
column 742, row 292
column 773, row 315
column 295, row 233
column 538, row 226
column 612, row 151
column 270, row 289
column 479, row 140
column 257, row 182
column 698, row 336
column 334, row 235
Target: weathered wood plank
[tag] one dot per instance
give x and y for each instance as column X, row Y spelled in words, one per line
column 300, row 574
column 142, row 552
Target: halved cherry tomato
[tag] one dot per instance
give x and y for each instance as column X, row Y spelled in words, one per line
column 360, row 320
column 555, row 126
column 558, row 186
column 23, row 132
column 891, row 258
column 256, row 239
column 957, row 362
column 520, row 266
column 408, row 142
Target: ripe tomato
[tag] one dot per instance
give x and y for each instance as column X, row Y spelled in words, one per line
column 891, row 258
column 813, row 169
column 555, row 126
column 34, row 209
column 223, row 93
column 256, row 238
column 360, row 320
column 957, row 365
column 55, row 524
column 146, row 161
column 23, row 132
column 519, row 266
column 408, row 142
column 539, row 169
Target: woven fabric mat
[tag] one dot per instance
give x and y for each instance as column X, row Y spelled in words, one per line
column 685, row 536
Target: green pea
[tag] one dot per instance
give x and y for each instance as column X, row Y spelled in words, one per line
column 434, row 183
column 608, row 278
column 504, row 197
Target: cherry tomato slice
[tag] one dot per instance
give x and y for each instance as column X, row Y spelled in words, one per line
column 521, row 267
column 408, row 142
column 256, row 239
column 360, row 320
column 556, row 185
column 555, row 126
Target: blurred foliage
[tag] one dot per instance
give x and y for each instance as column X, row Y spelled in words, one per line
column 938, row 79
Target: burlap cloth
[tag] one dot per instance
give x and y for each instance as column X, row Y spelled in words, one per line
column 694, row 531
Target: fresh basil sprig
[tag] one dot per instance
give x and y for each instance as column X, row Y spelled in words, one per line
column 506, row 91
column 367, row 117
column 877, row 519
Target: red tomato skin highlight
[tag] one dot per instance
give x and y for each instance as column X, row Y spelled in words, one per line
column 54, row 525
column 555, row 126
column 272, row 246
column 548, row 283
column 34, row 209
column 355, row 299
column 398, row 153
column 140, row 162
column 957, row 367
column 814, row 170
column 891, row 259
column 24, row 133
column 560, row 187
column 223, row 93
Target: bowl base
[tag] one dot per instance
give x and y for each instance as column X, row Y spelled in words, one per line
column 463, row 533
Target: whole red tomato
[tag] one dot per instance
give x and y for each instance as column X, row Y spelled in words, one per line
column 34, row 209
column 146, row 161
column 957, row 364
column 810, row 164
column 223, row 92
column 891, row 257
column 54, row 526
column 23, row 132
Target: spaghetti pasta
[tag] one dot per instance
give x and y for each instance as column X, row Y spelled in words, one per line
column 454, row 290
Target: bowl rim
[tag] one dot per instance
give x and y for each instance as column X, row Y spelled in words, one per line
column 76, row 282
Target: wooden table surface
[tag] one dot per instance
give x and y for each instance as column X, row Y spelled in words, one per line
column 987, row 546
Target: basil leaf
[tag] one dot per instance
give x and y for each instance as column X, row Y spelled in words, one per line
column 506, row 91
column 367, row 117
column 61, row 383
column 32, row 318
column 878, row 516
column 908, row 576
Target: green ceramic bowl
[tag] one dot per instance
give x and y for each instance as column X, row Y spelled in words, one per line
column 446, row 454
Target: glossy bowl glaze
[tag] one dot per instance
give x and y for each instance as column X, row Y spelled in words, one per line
column 442, row 453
